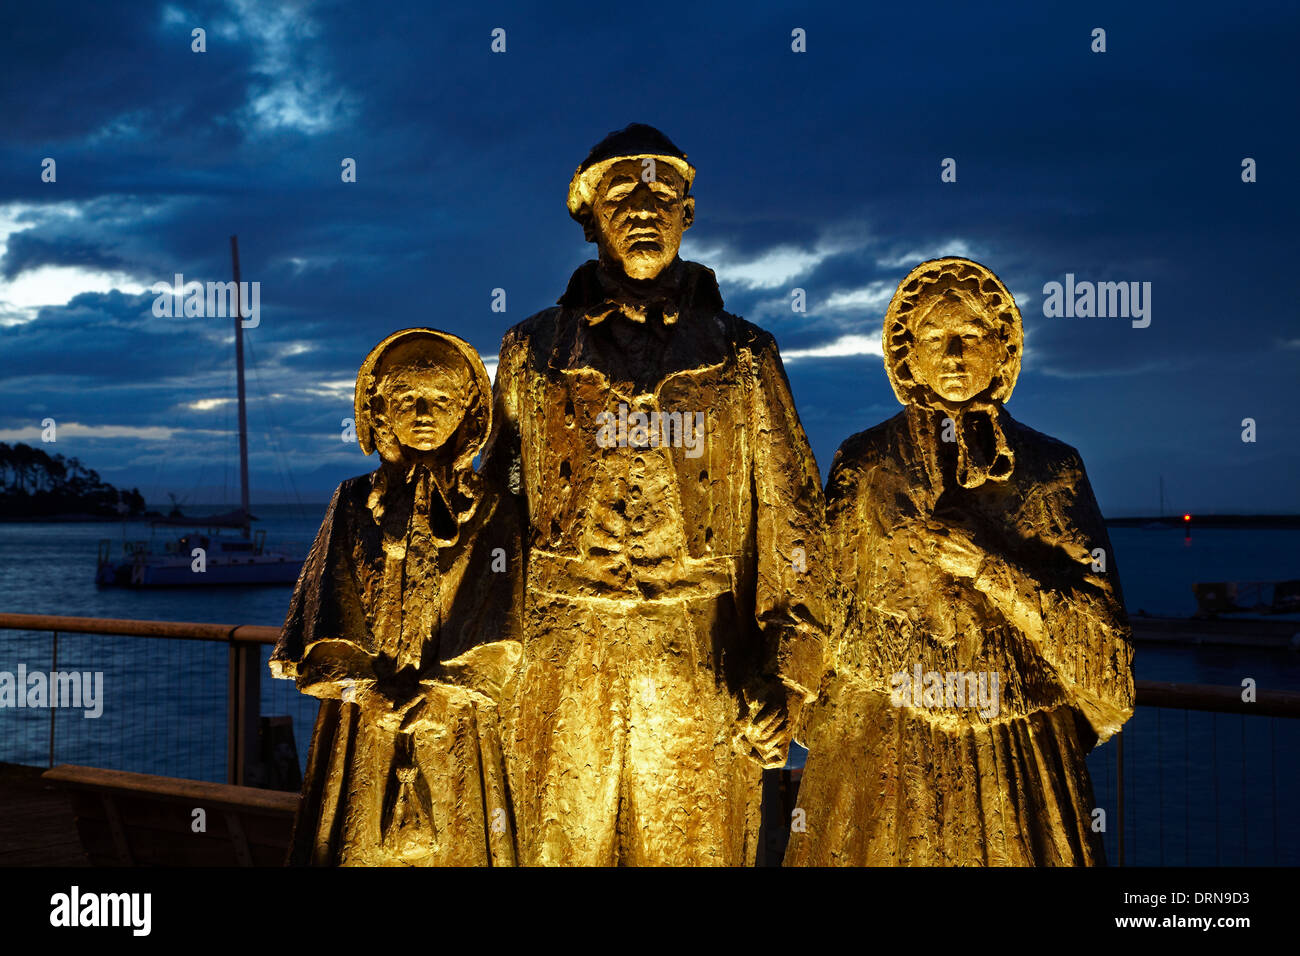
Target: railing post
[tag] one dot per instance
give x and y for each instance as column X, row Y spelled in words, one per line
column 243, row 708
column 54, row 709
column 1119, row 791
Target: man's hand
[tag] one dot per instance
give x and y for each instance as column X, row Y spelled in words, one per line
column 765, row 730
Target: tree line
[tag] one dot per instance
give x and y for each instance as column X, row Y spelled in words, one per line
column 36, row 484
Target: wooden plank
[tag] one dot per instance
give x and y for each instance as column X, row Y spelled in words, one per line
column 157, row 847
column 191, row 792
column 149, row 820
column 179, row 846
column 138, row 813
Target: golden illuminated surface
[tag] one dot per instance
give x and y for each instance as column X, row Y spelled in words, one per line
column 587, row 652
column 673, row 611
column 964, row 543
column 403, row 624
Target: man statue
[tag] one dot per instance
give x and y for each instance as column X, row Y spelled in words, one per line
column 674, row 529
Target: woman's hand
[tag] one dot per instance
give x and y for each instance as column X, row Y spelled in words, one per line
column 954, row 550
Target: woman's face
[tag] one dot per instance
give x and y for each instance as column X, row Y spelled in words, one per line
column 957, row 353
column 423, row 406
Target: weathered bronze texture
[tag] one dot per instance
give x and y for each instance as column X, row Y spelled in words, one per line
column 965, row 544
column 674, row 527
column 404, row 623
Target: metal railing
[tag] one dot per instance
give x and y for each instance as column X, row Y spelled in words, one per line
column 1142, row 764
column 248, row 647
column 244, row 672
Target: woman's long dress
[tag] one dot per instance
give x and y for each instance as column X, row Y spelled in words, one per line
column 924, row 783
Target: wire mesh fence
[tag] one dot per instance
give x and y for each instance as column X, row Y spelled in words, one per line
column 126, row 702
column 1202, row 789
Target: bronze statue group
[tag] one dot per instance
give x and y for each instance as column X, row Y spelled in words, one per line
column 534, row 646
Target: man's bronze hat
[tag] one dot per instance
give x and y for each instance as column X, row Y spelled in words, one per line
column 630, row 142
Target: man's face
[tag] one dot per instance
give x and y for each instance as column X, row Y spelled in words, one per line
column 957, row 353
column 423, row 406
column 639, row 224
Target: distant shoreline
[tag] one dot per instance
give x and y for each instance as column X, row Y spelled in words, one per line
column 1168, row 521
column 1209, row 521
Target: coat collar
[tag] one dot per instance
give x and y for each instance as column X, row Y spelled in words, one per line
column 595, row 335
column 682, row 286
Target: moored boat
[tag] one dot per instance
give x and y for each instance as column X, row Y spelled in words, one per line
column 206, row 558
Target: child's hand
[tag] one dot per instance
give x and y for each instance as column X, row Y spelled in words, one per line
column 393, row 712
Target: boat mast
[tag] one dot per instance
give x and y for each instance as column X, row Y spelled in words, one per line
column 239, row 367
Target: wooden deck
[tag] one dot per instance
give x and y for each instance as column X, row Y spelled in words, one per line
column 36, row 821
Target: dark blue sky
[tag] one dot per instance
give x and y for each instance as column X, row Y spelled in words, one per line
column 816, row 170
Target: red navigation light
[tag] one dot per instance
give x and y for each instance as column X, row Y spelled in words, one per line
column 1187, row 517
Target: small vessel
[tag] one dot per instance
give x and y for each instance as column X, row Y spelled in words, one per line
column 205, row 557
column 198, row 558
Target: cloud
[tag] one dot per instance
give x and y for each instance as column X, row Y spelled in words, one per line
column 914, row 257
column 463, row 157
column 1145, row 368
column 208, row 404
column 46, row 259
column 769, row 268
column 845, row 345
column 292, row 87
column 78, row 430
column 873, row 297
column 25, row 251
column 59, row 285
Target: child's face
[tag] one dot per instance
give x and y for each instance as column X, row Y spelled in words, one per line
column 424, row 406
column 956, row 353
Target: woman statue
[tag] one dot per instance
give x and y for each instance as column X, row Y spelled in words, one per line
column 403, row 623
column 982, row 644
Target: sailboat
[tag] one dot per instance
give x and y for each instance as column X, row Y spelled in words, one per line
column 1160, row 522
column 204, row 557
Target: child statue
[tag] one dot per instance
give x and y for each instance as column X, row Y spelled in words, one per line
column 403, row 623
column 982, row 646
